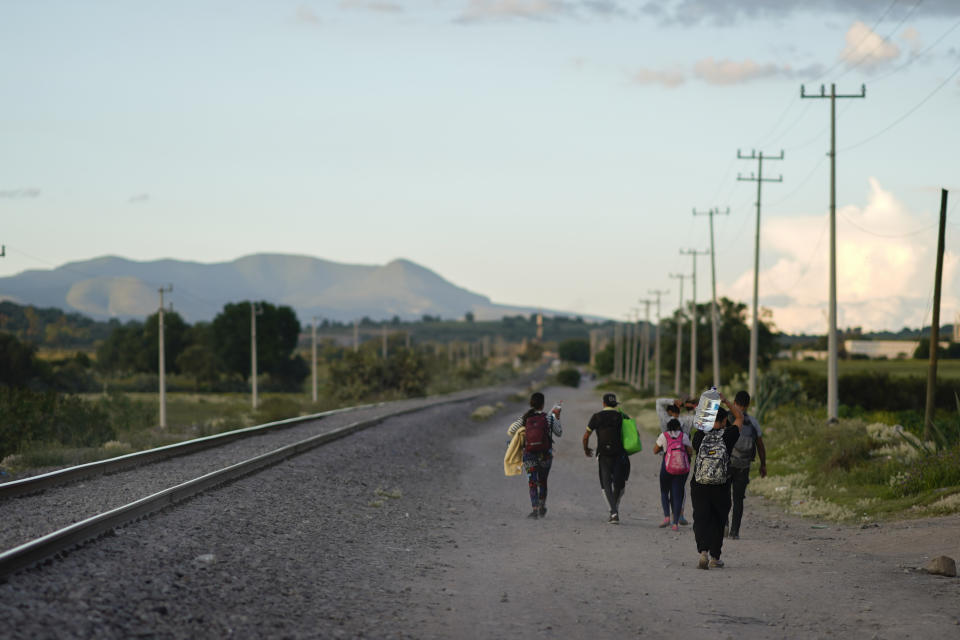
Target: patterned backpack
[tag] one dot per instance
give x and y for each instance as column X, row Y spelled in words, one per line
column 712, row 462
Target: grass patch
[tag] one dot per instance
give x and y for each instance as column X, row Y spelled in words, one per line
column 852, row 471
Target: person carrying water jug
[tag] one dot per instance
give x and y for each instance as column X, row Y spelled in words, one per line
column 710, row 486
column 674, row 468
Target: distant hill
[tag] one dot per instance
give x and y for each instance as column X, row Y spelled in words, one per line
column 114, row 287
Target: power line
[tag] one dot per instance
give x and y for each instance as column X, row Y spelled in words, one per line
column 907, row 114
column 882, row 235
column 883, row 41
column 918, row 56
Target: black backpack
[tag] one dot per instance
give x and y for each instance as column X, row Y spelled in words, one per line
column 609, row 438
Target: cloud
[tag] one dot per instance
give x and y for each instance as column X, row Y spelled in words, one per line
column 305, row 15
column 669, row 79
column 372, row 5
column 884, row 268
column 15, row 194
column 729, row 12
column 912, row 37
column 138, row 198
column 867, row 49
column 485, row 10
column 729, row 72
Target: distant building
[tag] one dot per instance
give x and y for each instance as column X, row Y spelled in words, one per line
column 803, row 354
column 889, row 349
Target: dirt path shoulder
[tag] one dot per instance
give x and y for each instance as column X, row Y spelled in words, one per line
column 572, row 575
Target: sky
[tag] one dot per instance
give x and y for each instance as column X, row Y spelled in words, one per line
column 541, row 152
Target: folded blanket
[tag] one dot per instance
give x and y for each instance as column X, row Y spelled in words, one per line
column 513, row 459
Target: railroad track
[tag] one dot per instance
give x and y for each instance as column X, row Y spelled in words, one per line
column 70, row 481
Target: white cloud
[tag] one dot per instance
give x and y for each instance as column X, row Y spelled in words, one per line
column 666, row 78
column 305, row 15
column 372, row 5
column 480, row 10
column 725, row 72
column 884, row 268
column 867, row 49
column 912, row 37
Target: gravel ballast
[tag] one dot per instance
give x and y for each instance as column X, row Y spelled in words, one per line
column 319, row 546
column 29, row 517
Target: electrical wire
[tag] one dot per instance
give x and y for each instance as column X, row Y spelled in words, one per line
column 888, row 236
column 907, row 114
column 884, row 40
column 799, row 186
column 916, row 57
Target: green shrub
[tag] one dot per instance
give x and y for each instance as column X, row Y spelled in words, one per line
column 568, row 377
column 933, row 472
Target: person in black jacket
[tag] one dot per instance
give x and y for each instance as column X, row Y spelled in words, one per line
column 710, row 485
column 612, row 460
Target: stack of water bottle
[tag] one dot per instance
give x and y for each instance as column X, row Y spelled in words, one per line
column 707, row 409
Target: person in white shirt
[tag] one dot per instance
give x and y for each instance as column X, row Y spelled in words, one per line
column 673, row 442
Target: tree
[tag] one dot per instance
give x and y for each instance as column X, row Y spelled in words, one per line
column 603, row 363
column 469, row 317
column 18, row 363
column 575, row 350
column 175, row 334
column 277, row 333
column 199, row 362
column 120, row 352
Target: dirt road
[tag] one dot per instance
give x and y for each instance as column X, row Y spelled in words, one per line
column 411, row 530
column 572, row 575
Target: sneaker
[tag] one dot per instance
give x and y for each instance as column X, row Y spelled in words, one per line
column 534, row 514
column 665, row 523
column 675, row 528
column 734, row 536
column 543, row 512
column 704, row 562
column 716, row 563
column 614, row 518
column 682, row 521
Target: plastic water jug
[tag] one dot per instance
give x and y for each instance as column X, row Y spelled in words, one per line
column 707, row 409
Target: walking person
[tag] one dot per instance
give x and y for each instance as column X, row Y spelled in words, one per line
column 674, row 469
column 748, row 446
column 612, row 460
column 710, row 486
column 680, row 409
column 540, row 428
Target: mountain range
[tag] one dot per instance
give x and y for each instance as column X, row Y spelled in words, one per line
column 115, row 287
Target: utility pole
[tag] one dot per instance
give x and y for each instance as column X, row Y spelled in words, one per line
column 935, row 326
column 633, row 359
column 255, row 310
column 833, row 402
column 383, row 340
column 656, row 348
column 714, row 319
column 676, row 368
column 644, row 380
column 162, row 363
column 754, row 326
column 693, row 319
column 617, row 351
column 356, row 336
column 313, row 368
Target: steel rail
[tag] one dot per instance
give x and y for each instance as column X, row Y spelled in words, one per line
column 41, row 482
column 51, row 544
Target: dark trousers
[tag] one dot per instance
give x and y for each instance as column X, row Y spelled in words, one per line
column 671, row 492
column 614, row 471
column 711, row 506
column 739, row 479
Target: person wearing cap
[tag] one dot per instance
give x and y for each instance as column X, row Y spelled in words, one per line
column 612, row 460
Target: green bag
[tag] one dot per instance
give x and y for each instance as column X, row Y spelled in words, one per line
column 629, row 435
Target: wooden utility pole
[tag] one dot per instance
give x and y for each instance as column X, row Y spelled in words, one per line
column 679, row 334
column 714, row 316
column 833, row 402
column 693, row 319
column 255, row 310
column 313, row 367
column 755, row 323
column 643, row 376
column 656, row 348
column 935, row 325
column 162, row 360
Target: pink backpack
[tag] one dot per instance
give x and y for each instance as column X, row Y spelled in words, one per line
column 676, row 460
